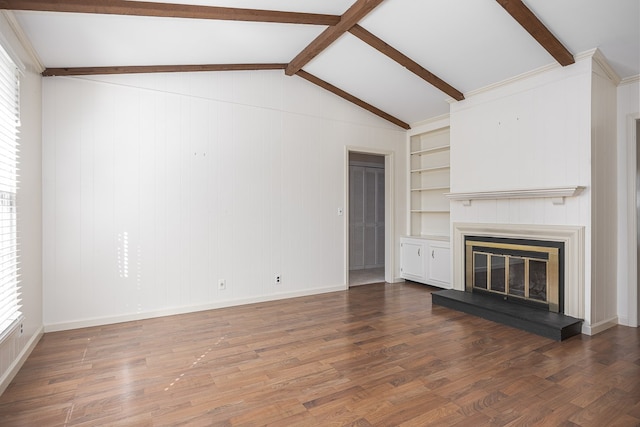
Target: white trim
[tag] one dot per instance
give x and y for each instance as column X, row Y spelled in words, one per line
column 600, row 59
column 389, row 212
column 595, row 54
column 557, row 194
column 24, row 40
column 19, row 361
column 629, row 80
column 8, row 47
column 596, row 328
column 99, row 321
column 574, row 250
column 507, row 82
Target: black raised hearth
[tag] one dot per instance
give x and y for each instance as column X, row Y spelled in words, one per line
column 531, row 319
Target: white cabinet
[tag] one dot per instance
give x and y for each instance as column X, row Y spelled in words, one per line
column 412, row 264
column 425, row 261
column 439, row 263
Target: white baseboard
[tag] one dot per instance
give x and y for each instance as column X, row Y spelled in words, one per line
column 626, row 321
column 17, row 363
column 596, row 328
column 108, row 320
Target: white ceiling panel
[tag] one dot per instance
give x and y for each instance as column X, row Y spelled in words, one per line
column 467, row 43
column 354, row 66
column 88, row 40
column 613, row 26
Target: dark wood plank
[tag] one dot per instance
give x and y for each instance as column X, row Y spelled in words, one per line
column 530, row 22
column 85, row 71
column 405, row 61
column 169, row 10
column 370, row 356
column 342, row 94
column 355, row 13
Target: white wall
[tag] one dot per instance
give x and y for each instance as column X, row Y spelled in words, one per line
column 628, row 111
column 536, row 132
column 604, row 209
column 156, row 186
column 17, row 347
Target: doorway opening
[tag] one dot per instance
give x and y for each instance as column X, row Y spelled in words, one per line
column 367, row 218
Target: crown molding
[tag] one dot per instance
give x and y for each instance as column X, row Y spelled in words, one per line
column 597, row 56
column 24, row 40
column 594, row 54
column 511, row 80
column 630, row 80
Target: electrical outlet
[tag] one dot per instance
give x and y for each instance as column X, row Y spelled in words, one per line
column 278, row 280
column 222, row 284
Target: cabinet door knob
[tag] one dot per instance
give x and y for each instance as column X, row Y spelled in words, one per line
column 433, row 254
column 418, row 251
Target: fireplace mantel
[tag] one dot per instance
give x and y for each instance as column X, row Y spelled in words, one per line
column 556, row 194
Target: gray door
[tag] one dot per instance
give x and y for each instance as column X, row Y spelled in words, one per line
column 366, row 217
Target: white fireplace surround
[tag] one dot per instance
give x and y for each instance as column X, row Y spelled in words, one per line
column 574, row 249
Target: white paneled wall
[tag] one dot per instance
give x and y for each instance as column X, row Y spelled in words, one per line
column 537, row 133
column 603, row 205
column 531, row 134
column 156, row 186
column 628, row 112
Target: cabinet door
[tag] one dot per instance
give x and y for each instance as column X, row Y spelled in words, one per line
column 412, row 264
column 439, row 256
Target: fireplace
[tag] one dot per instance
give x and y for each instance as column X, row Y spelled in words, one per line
column 522, row 271
column 526, row 276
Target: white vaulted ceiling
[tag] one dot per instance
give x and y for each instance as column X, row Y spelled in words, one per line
column 469, row 44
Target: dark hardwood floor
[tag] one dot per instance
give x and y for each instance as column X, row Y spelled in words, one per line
column 376, row 355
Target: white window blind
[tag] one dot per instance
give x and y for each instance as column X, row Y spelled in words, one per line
column 10, row 303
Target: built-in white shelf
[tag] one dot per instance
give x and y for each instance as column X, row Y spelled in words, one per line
column 556, row 194
column 430, row 150
column 430, row 211
column 430, row 188
column 429, row 180
column 433, row 168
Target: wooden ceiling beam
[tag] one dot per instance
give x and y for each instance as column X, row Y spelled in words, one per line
column 350, row 18
column 344, row 95
column 136, row 69
column 530, row 22
column 405, row 61
column 169, row 10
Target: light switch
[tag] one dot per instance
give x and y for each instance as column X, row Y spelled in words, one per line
column 340, row 211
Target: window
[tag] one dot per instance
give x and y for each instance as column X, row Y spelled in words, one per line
column 10, row 313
